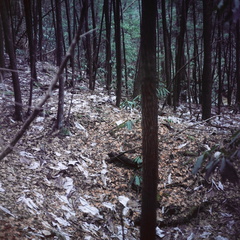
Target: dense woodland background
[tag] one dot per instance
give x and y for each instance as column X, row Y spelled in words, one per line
column 151, row 55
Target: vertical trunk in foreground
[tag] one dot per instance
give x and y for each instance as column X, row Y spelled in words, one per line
column 149, row 120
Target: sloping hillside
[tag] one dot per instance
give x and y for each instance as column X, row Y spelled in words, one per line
column 61, row 184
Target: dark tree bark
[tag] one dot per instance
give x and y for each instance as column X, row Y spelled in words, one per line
column 13, row 64
column 2, row 59
column 40, row 28
column 219, row 50
column 207, row 66
column 124, row 54
column 167, row 55
column 59, row 35
column 188, row 81
column 108, row 63
column 88, row 51
column 68, row 12
column 149, row 120
column 137, row 80
column 70, row 82
column 229, row 68
column 238, row 63
column 53, row 11
column 34, row 11
column 117, row 20
column 95, row 48
column 180, row 53
column 32, row 49
column 196, row 69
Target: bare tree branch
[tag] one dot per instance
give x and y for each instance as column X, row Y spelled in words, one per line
column 48, row 94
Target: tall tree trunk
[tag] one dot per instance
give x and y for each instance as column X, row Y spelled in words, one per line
column 70, row 82
column 149, row 120
column 137, row 80
column 118, row 50
column 2, row 59
column 196, row 59
column 32, row 49
column 219, row 49
column 229, row 67
column 95, row 49
column 207, row 65
column 238, row 63
column 88, row 51
column 167, row 51
column 124, row 55
column 13, row 63
column 180, row 53
column 59, row 35
column 108, row 62
column 40, row 28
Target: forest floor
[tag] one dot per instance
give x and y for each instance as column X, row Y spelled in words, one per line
column 61, row 185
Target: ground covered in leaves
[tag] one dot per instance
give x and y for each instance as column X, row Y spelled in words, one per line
column 61, row 184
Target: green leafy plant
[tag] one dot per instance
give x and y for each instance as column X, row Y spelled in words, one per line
column 136, row 182
column 162, row 91
column 221, row 158
column 128, row 124
column 138, row 160
column 131, row 104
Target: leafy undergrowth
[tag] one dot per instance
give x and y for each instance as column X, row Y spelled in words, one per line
column 60, row 185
